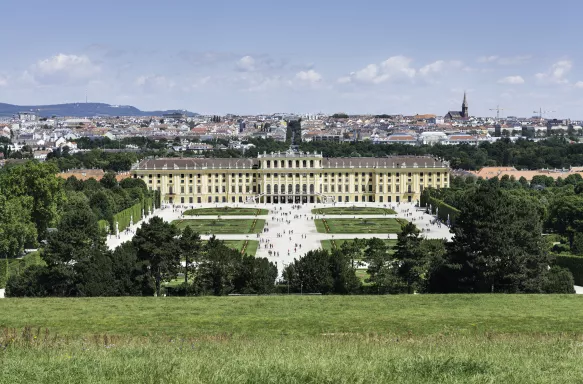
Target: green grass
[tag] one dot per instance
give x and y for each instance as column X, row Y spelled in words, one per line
column 229, row 226
column 380, row 225
column 238, row 245
column 300, row 316
column 298, row 339
column 328, row 244
column 354, row 211
column 226, row 211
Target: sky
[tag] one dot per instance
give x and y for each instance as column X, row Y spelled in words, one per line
column 269, row 56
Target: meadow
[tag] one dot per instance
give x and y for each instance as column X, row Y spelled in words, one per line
column 298, row 339
column 217, row 227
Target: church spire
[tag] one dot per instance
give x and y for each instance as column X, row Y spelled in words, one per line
column 465, row 107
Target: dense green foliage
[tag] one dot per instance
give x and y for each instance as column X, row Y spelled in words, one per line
column 94, row 159
column 321, row 271
column 573, row 264
column 111, row 201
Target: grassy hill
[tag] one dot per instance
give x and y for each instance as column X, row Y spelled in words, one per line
column 300, row 339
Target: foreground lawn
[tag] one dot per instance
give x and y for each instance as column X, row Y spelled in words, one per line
column 297, row 339
column 229, row 226
column 332, row 358
column 226, row 211
column 354, row 211
column 337, row 243
column 300, row 315
column 380, row 225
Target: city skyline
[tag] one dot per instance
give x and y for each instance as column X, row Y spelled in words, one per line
column 227, row 57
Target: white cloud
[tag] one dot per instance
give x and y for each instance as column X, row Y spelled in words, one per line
column 556, row 74
column 309, row 76
column 394, row 68
column 154, row 82
column 246, row 64
column 511, row 60
column 3, row 80
column 579, row 84
column 63, row 68
column 487, row 59
column 439, row 66
column 513, row 80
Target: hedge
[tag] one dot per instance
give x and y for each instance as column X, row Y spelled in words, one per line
column 15, row 266
column 134, row 212
column 444, row 209
column 103, row 225
column 573, row 264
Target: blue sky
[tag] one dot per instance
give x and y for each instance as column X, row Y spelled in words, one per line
column 302, row 56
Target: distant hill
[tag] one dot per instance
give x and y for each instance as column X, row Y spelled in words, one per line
column 82, row 110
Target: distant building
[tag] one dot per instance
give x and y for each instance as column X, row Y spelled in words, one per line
column 174, row 116
column 459, row 115
column 27, row 116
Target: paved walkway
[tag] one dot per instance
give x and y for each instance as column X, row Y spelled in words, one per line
column 291, row 230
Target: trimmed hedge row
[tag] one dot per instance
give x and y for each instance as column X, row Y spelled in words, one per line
column 103, row 225
column 444, row 209
column 573, row 264
column 15, row 266
column 134, row 212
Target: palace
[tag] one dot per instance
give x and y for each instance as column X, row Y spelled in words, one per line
column 292, row 177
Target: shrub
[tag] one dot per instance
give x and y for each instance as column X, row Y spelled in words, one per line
column 558, row 280
column 574, row 264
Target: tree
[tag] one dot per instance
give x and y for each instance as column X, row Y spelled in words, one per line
column 566, row 216
column 108, row 180
column 255, row 276
column 497, row 245
column 311, row 273
column 217, row 269
column 158, row 251
column 16, row 227
column 410, row 263
column 190, row 246
column 38, row 181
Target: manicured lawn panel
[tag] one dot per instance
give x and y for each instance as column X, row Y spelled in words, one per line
column 329, row 244
column 376, row 225
column 228, row 226
column 226, row 211
column 354, row 211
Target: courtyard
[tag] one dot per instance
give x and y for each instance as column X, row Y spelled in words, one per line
column 289, row 231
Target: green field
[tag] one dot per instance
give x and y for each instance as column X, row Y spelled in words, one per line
column 238, row 245
column 299, row 339
column 328, row 244
column 380, row 225
column 226, row 211
column 215, row 227
column 353, row 211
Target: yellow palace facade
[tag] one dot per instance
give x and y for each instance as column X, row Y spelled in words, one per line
column 292, row 178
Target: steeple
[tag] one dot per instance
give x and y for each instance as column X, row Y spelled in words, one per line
column 465, row 107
